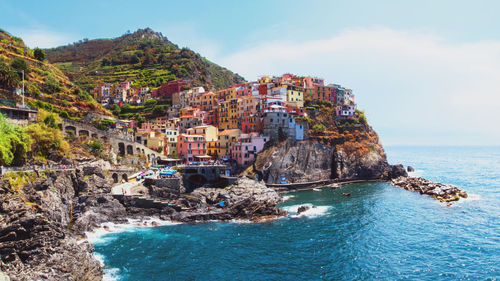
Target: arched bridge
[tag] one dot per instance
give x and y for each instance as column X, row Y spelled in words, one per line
column 122, row 144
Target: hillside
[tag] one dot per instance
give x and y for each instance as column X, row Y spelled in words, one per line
column 144, row 57
column 45, row 85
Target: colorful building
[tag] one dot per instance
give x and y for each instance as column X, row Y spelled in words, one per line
column 190, row 146
column 248, row 146
column 225, row 140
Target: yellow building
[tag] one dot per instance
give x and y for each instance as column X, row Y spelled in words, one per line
column 233, row 115
column 208, row 101
column 208, row 131
column 223, row 115
column 226, row 139
column 295, row 96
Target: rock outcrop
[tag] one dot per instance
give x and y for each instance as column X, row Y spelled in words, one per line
column 245, row 199
column 442, row 192
column 308, row 161
column 41, row 222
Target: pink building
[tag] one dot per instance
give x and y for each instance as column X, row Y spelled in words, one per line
column 190, row 146
column 248, row 146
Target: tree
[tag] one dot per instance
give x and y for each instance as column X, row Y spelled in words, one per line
column 105, row 62
column 8, row 76
column 39, row 54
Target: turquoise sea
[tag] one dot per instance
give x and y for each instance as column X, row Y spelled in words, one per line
column 380, row 232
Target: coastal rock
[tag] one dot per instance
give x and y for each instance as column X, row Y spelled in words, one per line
column 308, row 161
column 245, row 199
column 302, row 209
column 442, row 192
column 41, row 221
column 410, row 169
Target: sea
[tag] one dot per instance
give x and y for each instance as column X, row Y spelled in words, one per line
column 380, row 232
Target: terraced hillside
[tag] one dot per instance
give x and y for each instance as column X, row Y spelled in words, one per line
column 144, row 57
column 45, row 85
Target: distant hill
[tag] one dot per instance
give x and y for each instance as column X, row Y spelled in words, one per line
column 144, row 57
column 45, row 85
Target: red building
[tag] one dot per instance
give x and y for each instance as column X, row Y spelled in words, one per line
column 326, row 93
column 170, row 88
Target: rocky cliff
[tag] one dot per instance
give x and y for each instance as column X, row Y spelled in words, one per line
column 42, row 221
column 347, row 153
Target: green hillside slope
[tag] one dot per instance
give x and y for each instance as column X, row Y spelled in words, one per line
column 144, row 57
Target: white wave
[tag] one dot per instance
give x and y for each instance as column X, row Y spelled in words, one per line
column 287, row 197
column 470, row 197
column 99, row 235
column 416, row 173
column 312, row 212
column 111, row 274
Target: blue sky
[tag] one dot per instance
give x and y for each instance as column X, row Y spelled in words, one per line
column 426, row 72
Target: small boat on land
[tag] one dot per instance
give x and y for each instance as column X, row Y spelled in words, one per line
column 316, row 189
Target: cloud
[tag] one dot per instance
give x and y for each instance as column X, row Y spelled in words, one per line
column 411, row 83
column 44, row 38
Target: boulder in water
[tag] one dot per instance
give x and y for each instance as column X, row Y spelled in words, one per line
column 302, row 209
column 410, row 169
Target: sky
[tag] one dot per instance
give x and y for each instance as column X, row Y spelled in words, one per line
column 425, row 72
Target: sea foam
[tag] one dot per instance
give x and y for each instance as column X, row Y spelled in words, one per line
column 312, row 212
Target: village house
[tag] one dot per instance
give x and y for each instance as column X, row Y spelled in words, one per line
column 191, row 146
column 247, row 147
column 170, row 142
column 226, row 139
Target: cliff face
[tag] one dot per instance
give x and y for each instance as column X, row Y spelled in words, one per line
column 346, row 154
column 41, row 220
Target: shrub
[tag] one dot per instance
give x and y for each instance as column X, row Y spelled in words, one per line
column 20, row 65
column 52, row 85
column 14, row 143
column 95, row 146
column 318, row 128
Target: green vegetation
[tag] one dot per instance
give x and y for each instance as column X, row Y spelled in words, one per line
column 95, row 146
column 8, row 76
column 14, row 143
column 47, row 137
column 361, row 116
column 145, row 58
column 318, row 128
column 39, row 54
column 43, row 82
column 20, row 65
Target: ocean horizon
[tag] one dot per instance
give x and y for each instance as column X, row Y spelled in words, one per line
column 380, row 232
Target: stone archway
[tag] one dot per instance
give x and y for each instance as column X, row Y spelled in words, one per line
column 125, row 177
column 71, row 129
column 115, row 177
column 83, row 133
column 138, row 151
column 121, row 149
column 95, row 136
column 130, row 149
